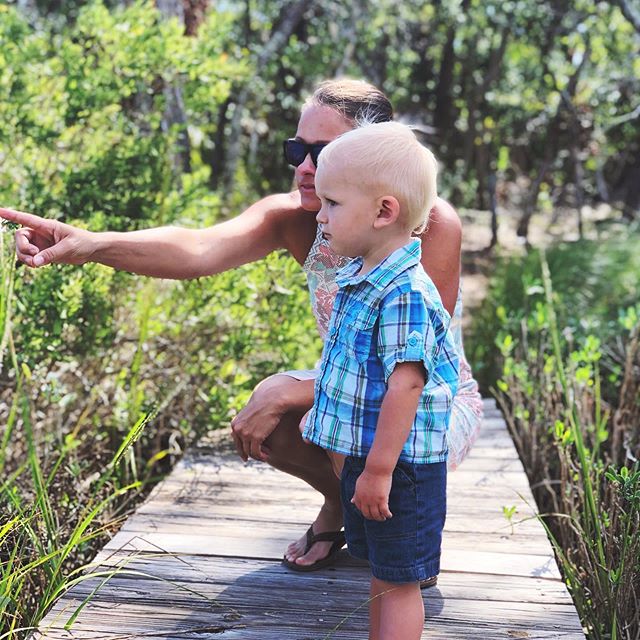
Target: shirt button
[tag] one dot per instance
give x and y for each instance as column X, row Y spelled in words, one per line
column 413, row 341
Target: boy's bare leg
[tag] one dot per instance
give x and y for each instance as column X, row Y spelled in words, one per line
column 287, row 451
column 396, row 611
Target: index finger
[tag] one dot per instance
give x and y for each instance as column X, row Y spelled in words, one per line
column 23, row 218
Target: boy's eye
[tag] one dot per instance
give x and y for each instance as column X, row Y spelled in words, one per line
column 331, row 203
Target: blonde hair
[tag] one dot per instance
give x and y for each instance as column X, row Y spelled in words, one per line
column 355, row 100
column 389, row 160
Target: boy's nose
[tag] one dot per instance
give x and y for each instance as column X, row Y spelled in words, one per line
column 320, row 217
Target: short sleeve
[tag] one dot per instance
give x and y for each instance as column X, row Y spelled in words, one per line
column 406, row 332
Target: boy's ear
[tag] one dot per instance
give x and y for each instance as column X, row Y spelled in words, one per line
column 388, row 212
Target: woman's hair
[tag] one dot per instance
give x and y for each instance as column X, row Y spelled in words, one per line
column 356, row 100
column 387, row 159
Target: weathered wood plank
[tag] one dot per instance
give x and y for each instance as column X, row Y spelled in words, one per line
column 474, row 518
column 251, row 602
column 243, row 533
column 453, row 559
column 209, row 540
column 347, row 575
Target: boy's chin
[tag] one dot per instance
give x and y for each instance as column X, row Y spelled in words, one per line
column 340, row 251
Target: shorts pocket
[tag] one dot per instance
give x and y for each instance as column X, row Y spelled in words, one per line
column 404, row 475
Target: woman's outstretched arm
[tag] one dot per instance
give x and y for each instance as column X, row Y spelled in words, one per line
column 164, row 252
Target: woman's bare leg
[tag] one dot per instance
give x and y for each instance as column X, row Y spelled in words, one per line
column 264, row 431
column 287, row 451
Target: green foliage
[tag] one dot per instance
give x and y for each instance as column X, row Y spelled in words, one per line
column 592, row 279
column 577, row 443
column 62, row 312
column 517, row 90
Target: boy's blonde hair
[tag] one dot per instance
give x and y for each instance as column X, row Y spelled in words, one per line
column 389, row 160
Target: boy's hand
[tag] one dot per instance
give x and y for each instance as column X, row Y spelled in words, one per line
column 372, row 495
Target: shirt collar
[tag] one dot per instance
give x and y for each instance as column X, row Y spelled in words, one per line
column 384, row 272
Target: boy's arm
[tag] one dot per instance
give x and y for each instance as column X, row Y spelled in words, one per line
column 407, row 346
column 397, row 414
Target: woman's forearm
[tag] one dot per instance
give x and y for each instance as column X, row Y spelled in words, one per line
column 163, row 252
column 175, row 252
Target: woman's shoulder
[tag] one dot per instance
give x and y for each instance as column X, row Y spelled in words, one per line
column 441, row 247
column 443, row 220
column 281, row 204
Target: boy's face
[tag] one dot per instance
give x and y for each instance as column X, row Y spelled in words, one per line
column 347, row 213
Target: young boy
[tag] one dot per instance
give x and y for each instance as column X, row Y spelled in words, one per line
column 389, row 367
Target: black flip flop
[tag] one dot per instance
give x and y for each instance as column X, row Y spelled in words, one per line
column 336, row 537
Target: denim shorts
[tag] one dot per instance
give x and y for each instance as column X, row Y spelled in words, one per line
column 406, row 547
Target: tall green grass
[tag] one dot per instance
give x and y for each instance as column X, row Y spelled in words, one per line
column 7, row 279
column 87, row 434
column 580, row 448
column 35, row 546
column 45, row 537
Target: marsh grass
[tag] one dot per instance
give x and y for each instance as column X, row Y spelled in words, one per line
column 46, row 536
column 37, row 543
column 85, row 436
column 586, row 482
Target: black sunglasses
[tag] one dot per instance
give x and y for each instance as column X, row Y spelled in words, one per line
column 295, row 151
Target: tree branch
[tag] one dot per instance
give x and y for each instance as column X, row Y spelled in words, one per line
column 629, row 14
column 293, row 14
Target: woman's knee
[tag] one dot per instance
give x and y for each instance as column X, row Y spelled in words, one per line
column 286, row 434
column 274, row 382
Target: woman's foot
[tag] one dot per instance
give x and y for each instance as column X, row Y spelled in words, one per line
column 329, row 520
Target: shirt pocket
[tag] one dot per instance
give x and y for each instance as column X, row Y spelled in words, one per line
column 355, row 335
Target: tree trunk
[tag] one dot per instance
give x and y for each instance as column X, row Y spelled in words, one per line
column 351, row 32
column 629, row 13
column 215, row 157
column 293, row 14
column 579, row 178
column 530, row 205
column 174, row 113
column 443, row 114
column 246, row 23
column 493, row 207
column 194, row 14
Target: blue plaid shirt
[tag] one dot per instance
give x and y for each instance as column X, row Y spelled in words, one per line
column 391, row 314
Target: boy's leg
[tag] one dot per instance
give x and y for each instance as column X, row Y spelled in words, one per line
column 406, row 548
column 396, row 611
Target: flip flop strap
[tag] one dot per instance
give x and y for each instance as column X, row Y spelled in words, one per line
column 325, row 536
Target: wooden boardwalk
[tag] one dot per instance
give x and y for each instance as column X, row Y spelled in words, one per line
column 201, row 559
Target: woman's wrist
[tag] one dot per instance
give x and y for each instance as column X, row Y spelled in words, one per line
column 96, row 243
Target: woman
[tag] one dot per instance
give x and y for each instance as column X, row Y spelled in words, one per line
column 267, row 428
